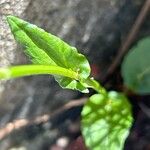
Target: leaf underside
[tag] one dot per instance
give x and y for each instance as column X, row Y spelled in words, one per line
column 136, row 67
column 46, row 49
column 106, row 121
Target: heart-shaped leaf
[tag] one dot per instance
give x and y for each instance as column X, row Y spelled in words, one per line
column 106, row 120
column 136, row 67
column 47, row 49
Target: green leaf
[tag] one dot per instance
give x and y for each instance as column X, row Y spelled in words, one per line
column 47, row 49
column 136, row 67
column 106, row 120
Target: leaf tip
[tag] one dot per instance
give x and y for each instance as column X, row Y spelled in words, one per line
column 9, row 18
column 13, row 20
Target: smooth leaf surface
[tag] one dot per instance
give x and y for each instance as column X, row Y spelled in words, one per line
column 136, row 67
column 46, row 49
column 106, row 121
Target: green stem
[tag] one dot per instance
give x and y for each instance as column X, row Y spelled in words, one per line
column 27, row 70
column 95, row 85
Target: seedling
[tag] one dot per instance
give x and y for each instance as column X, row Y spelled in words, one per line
column 106, row 117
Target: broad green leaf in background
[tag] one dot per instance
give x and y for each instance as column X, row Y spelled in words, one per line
column 46, row 49
column 136, row 67
column 106, row 120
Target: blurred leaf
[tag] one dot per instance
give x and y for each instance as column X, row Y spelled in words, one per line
column 106, row 121
column 47, row 49
column 136, row 67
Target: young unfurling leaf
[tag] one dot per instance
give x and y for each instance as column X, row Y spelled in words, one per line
column 47, row 49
